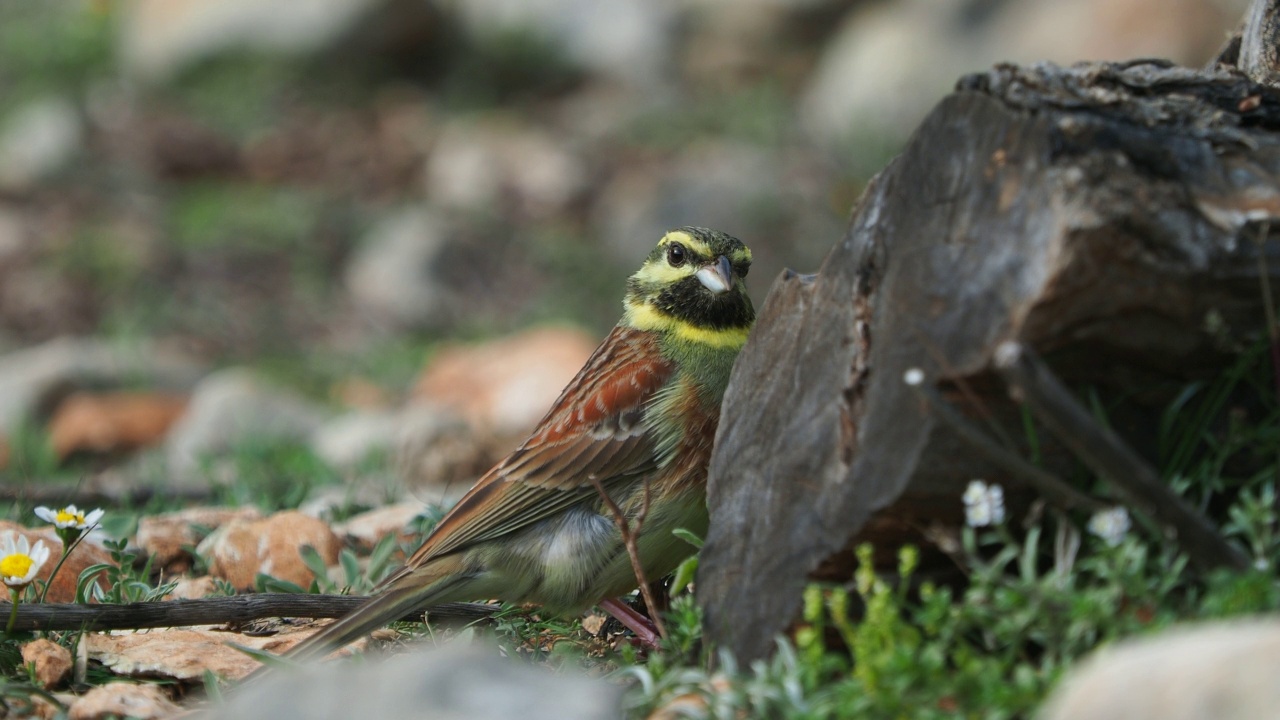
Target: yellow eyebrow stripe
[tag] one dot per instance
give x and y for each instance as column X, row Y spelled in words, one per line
column 689, row 241
column 644, row 317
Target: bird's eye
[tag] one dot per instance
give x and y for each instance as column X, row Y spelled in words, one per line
column 676, row 255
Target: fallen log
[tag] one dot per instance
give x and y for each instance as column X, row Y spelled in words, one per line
column 1114, row 219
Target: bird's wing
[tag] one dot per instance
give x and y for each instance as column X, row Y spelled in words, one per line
column 593, row 432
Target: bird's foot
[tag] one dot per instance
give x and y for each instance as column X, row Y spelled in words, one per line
column 646, row 632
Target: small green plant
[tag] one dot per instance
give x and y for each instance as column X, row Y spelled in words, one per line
column 125, row 579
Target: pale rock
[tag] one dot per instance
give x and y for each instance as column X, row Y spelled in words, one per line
column 367, row 529
column 627, row 40
column 170, row 537
column 505, row 385
column 231, row 406
column 347, row 440
column 439, row 452
column 241, row 549
column 185, row 653
column 450, row 682
column 1212, row 671
column 891, row 62
column 481, row 164
column 189, row 588
column 391, row 276
column 38, row 140
column 29, row 377
column 51, row 661
column 160, row 37
column 145, row 701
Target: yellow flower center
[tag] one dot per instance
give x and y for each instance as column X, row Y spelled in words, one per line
column 65, row 517
column 16, row 565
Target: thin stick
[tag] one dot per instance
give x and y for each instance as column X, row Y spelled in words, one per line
column 1106, row 453
column 629, row 535
column 215, row 611
column 1048, row 484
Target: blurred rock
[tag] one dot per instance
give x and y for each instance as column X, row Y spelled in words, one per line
column 169, row 538
column 63, row 588
column 234, row 405
column 438, row 451
column 478, row 165
column 627, row 40
column 369, row 528
column 189, row 588
column 52, row 662
column 451, row 682
column 391, row 277
column 1221, row 671
column 159, row 38
column 505, row 386
column 241, row 549
column 13, row 238
column 122, row 699
column 34, row 379
column 38, row 140
column 347, row 440
column 112, row 422
column 892, row 61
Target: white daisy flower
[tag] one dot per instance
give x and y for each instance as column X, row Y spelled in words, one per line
column 70, row 517
column 19, row 561
column 983, row 504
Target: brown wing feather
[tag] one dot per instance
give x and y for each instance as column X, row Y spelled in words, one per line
column 593, row 430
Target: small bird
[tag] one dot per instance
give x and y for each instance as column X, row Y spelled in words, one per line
column 637, row 421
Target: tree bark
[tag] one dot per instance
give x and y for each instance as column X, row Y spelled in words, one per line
column 1113, row 218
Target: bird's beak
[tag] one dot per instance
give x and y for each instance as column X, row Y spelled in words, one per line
column 717, row 276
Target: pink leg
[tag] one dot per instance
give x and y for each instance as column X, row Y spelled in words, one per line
column 644, row 629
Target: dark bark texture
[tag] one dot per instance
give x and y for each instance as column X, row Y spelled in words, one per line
column 1112, row 218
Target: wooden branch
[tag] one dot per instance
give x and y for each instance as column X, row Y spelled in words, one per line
column 1107, row 454
column 217, row 610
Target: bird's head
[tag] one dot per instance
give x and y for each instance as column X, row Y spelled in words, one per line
column 692, row 285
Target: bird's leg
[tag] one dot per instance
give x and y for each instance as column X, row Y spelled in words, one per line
column 646, row 632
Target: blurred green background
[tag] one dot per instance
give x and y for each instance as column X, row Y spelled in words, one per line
column 329, row 185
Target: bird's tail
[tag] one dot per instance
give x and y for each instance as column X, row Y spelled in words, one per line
column 411, row 590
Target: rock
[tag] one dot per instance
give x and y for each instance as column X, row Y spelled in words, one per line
column 189, row 588
column 169, row 538
column 880, row 74
column 121, row 699
column 51, row 661
column 369, row 528
column 159, row 38
column 450, row 682
column 185, row 654
column 627, row 40
column 37, row 140
column 231, row 406
column 1219, row 671
column 777, row 203
column 34, row 378
column 478, row 165
column 63, row 589
column 241, row 549
column 112, row 422
column 505, row 386
column 347, row 440
column 390, row 277
column 437, row 450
